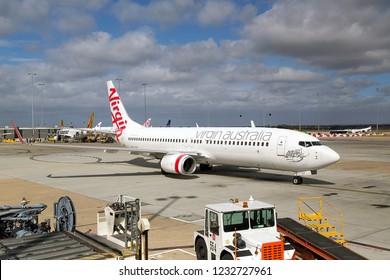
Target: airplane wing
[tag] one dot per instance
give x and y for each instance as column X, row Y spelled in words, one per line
column 158, row 153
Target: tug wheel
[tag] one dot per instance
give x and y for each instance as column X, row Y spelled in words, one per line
column 201, row 249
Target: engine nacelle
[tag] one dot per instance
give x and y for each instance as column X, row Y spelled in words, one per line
column 179, row 164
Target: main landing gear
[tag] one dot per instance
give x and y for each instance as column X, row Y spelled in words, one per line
column 297, row 180
column 205, row 167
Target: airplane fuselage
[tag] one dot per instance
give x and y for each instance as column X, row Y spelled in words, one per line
column 267, row 148
column 182, row 149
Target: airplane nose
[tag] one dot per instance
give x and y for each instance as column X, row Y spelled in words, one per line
column 329, row 156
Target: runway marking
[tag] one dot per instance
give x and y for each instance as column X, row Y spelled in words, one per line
column 159, row 255
column 189, row 219
column 347, row 190
column 368, row 246
column 65, row 158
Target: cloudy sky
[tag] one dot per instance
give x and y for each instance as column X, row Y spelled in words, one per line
column 210, row 62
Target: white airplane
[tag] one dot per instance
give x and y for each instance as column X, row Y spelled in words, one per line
column 351, row 130
column 74, row 133
column 180, row 149
column 99, row 129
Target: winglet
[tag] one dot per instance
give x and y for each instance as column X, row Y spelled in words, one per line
column 253, row 124
column 18, row 133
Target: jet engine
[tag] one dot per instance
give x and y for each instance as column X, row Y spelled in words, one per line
column 178, row 163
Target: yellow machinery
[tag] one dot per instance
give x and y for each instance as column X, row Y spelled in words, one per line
column 319, row 215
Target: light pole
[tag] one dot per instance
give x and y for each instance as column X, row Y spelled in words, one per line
column 208, row 113
column 318, row 113
column 32, row 103
column 269, row 115
column 299, row 115
column 119, row 85
column 41, row 84
column 263, row 112
column 377, row 111
column 145, row 84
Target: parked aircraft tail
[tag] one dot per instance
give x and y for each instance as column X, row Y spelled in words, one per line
column 18, row 133
column 90, row 121
column 148, row 122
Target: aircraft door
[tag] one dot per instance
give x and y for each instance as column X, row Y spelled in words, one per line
column 281, row 145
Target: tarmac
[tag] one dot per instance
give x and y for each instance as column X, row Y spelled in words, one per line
column 358, row 185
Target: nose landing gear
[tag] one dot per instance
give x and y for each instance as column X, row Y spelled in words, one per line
column 297, row 180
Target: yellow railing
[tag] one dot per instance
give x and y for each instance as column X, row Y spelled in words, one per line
column 319, row 215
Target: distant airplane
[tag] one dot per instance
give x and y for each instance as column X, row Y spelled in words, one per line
column 74, row 133
column 168, row 123
column 351, row 130
column 180, row 150
column 98, row 129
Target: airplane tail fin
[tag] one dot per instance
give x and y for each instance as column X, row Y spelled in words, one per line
column 98, row 125
column 90, row 121
column 18, row 133
column 120, row 118
column 168, row 123
column 148, row 122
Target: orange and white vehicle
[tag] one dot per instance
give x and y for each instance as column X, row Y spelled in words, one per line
column 241, row 230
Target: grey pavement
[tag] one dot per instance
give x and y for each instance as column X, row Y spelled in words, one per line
column 358, row 185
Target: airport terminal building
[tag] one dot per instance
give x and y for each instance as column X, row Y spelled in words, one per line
column 8, row 132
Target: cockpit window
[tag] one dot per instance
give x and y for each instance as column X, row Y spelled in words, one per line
column 309, row 144
column 316, row 143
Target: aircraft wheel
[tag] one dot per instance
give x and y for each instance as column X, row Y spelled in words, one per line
column 201, row 249
column 297, row 180
column 227, row 257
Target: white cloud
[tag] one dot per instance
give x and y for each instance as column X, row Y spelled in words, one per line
column 228, row 76
column 166, row 13
column 288, row 75
column 74, row 21
column 199, row 54
column 336, row 35
column 99, row 51
column 216, row 12
column 22, row 15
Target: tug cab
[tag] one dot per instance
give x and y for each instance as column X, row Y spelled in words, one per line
column 241, row 230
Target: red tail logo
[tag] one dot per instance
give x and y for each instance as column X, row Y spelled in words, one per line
column 116, row 114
